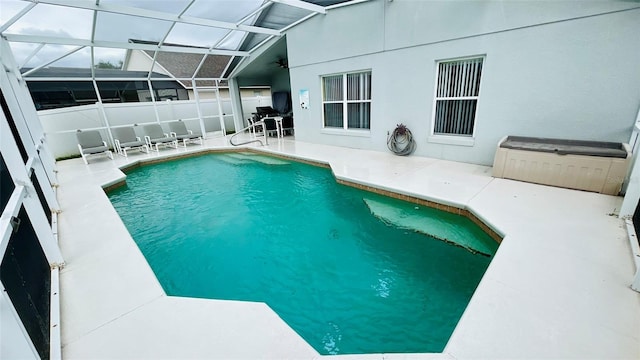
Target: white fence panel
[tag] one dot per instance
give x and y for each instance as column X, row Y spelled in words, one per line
column 129, row 113
column 72, row 118
column 184, row 109
column 227, row 112
column 60, row 125
column 249, row 105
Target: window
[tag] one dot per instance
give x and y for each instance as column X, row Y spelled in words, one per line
column 123, row 91
column 58, row 94
column 457, row 97
column 354, row 104
column 167, row 90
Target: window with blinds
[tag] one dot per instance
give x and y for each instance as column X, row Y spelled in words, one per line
column 457, row 96
column 346, row 100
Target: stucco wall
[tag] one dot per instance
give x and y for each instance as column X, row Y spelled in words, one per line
column 280, row 80
column 551, row 69
column 138, row 61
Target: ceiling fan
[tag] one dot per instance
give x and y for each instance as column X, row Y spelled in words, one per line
column 282, row 63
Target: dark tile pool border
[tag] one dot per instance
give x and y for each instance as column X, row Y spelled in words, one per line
column 396, row 195
column 416, row 200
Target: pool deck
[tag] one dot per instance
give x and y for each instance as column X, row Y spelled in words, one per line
column 558, row 287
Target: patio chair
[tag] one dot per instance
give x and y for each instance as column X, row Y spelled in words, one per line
column 155, row 136
column 287, row 124
column 271, row 125
column 126, row 139
column 90, row 143
column 179, row 131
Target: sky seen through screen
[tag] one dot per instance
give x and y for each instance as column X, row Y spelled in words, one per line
column 65, row 22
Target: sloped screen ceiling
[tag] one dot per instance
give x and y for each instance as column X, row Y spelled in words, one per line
column 41, row 34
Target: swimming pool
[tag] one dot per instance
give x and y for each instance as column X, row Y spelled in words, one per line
column 346, row 278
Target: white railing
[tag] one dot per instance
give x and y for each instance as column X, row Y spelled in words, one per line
column 253, row 135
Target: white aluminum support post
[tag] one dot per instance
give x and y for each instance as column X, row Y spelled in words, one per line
column 200, row 119
column 236, row 104
column 50, row 196
column 17, row 17
column 636, row 281
column 632, row 201
column 30, row 201
column 30, row 56
column 166, row 16
column 632, row 193
column 55, row 339
column 635, row 252
column 16, row 342
column 37, row 68
column 23, row 111
column 106, row 123
column 220, row 113
column 102, row 112
column 12, row 208
column 302, row 5
column 24, row 196
column 153, row 101
column 26, row 121
column 54, row 40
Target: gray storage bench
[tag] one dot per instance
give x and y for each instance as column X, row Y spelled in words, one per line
column 576, row 164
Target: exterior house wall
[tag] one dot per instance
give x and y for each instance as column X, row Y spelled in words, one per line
column 550, row 69
column 139, row 61
column 208, row 94
column 280, row 81
column 201, row 94
column 251, row 98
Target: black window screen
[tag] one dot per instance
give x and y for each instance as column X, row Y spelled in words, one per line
column 122, row 91
column 43, row 201
column 6, row 184
column 14, row 130
column 58, row 94
column 636, row 221
column 26, row 276
column 168, row 90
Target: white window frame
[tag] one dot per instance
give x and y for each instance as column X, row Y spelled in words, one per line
column 345, row 129
column 454, row 139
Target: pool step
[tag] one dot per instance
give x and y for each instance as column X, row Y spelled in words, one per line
column 245, row 157
column 426, row 221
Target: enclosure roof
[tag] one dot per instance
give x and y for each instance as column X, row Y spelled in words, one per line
column 181, row 65
column 82, row 33
column 70, row 73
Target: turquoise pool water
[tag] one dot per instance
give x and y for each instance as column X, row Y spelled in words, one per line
column 247, row 227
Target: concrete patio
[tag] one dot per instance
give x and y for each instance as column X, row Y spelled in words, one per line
column 558, row 286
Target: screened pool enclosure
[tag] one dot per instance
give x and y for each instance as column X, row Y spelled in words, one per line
column 104, row 58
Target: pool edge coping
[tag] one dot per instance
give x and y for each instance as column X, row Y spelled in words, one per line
column 440, row 204
column 451, row 207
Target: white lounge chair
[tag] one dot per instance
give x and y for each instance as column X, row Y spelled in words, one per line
column 179, row 131
column 126, row 139
column 155, row 136
column 90, row 143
